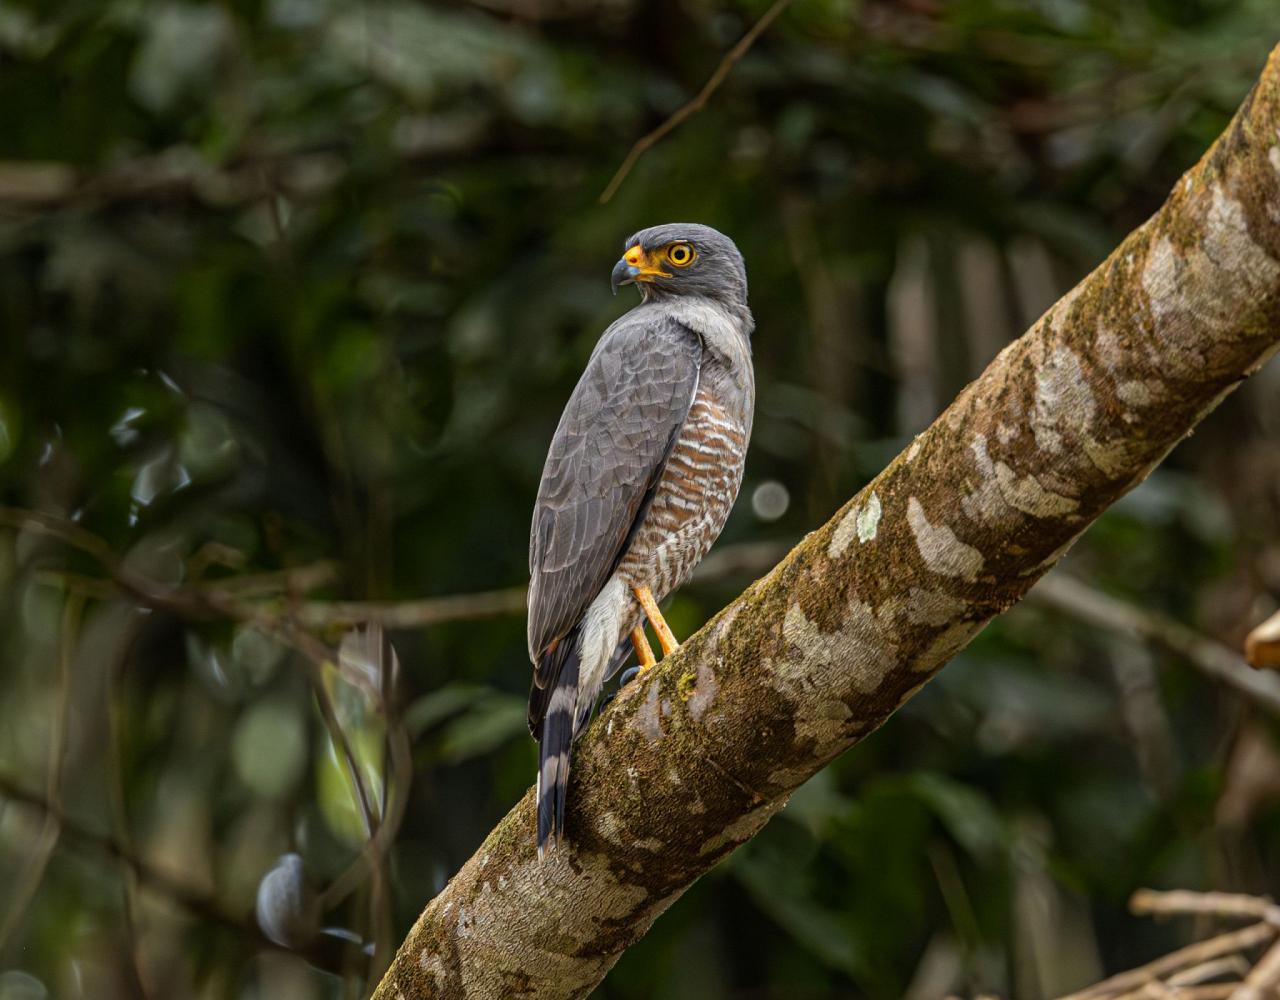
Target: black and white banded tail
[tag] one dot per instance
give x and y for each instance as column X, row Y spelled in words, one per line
column 551, row 720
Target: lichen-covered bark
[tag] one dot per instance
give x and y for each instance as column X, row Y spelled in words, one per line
column 694, row 759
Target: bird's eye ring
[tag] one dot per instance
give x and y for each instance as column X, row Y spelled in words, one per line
column 680, row 254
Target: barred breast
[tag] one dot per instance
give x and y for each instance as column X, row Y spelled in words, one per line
column 696, row 492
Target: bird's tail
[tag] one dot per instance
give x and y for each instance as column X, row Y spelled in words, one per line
column 555, row 709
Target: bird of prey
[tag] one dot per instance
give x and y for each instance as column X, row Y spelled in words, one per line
column 642, row 472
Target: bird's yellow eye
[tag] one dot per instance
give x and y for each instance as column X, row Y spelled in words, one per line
column 680, row 254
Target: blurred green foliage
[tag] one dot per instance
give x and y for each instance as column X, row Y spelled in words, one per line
column 284, row 281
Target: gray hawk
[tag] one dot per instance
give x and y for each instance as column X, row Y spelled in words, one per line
column 639, row 480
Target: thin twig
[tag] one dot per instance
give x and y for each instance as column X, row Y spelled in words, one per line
column 222, row 600
column 1263, row 983
column 395, row 789
column 119, row 811
column 1201, row 951
column 1151, row 902
column 413, row 614
column 644, row 143
column 319, row 657
column 242, row 586
column 327, row 954
column 1072, row 597
column 395, row 780
column 1159, row 991
column 293, row 581
column 211, row 601
column 47, row 840
column 743, row 559
column 204, row 603
column 192, row 603
column 1228, row 965
column 190, row 897
column 226, row 598
column 60, row 528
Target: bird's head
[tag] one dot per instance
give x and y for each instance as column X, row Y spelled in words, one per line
column 683, row 258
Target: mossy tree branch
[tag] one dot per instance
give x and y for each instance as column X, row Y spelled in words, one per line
column 692, row 761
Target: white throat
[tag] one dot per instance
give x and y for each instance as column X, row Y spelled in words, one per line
column 720, row 330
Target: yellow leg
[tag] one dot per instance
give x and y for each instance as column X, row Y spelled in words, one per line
column 643, row 650
column 665, row 639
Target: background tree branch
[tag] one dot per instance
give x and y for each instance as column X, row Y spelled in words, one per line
column 1069, row 596
column 692, row 762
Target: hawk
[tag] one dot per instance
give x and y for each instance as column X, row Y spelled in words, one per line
column 639, row 480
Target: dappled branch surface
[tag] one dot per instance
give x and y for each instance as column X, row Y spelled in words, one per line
column 693, row 760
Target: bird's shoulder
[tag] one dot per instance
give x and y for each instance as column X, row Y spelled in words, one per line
column 644, row 358
column 649, row 330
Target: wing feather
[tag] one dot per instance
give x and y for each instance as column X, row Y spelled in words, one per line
column 607, row 455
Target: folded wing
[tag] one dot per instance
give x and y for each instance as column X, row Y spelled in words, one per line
column 605, row 459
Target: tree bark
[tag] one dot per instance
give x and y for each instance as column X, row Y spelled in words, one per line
column 694, row 759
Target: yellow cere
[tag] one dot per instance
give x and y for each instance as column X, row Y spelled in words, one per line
column 648, row 266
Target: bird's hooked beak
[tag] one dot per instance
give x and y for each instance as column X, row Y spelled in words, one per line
column 634, row 266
